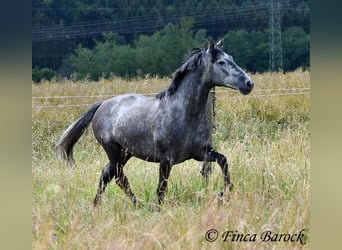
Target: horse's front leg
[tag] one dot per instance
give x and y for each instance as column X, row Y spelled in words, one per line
column 164, row 173
column 222, row 161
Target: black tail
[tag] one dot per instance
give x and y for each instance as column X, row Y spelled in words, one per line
column 73, row 133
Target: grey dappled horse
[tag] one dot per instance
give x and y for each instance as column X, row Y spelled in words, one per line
column 169, row 128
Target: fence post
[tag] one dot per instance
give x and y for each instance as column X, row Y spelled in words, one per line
column 211, row 102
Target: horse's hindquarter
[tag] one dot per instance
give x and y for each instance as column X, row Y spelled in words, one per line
column 129, row 120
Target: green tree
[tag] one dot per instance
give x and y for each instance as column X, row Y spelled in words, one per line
column 160, row 53
column 237, row 44
column 249, row 49
column 259, row 43
column 296, row 49
column 164, row 51
column 107, row 58
column 83, row 63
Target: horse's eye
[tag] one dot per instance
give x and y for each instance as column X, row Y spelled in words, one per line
column 221, row 62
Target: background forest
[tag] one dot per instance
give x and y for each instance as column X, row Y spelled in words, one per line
column 83, row 39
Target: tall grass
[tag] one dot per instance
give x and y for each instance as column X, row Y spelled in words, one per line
column 266, row 141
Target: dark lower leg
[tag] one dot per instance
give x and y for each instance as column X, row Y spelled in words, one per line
column 164, row 173
column 123, row 183
column 121, row 180
column 107, row 175
column 222, row 161
column 206, row 169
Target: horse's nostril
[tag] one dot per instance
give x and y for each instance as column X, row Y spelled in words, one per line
column 249, row 84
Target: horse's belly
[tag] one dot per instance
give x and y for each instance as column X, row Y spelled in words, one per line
column 137, row 139
column 140, row 146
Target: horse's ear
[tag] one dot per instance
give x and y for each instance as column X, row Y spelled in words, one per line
column 212, row 51
column 211, row 46
column 220, row 43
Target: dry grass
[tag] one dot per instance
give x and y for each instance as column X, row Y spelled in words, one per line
column 265, row 139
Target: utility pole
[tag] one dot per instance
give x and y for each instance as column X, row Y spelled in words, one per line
column 276, row 51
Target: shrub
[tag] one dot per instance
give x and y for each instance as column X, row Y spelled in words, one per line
column 42, row 74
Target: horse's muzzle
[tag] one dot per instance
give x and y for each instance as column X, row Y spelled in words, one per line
column 247, row 87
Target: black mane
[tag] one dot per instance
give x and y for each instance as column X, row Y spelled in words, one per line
column 192, row 62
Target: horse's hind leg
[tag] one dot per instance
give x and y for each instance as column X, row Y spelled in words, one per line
column 108, row 172
column 114, row 168
column 206, row 170
column 122, row 181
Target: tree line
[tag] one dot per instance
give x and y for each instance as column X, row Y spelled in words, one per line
column 78, row 39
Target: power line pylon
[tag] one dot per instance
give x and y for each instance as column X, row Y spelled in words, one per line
column 276, row 51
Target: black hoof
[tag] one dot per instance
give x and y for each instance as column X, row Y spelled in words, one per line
column 226, row 193
column 231, row 186
column 97, row 200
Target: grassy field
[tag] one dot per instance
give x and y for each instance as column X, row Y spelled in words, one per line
column 266, row 140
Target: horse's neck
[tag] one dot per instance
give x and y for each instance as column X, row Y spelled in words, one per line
column 193, row 93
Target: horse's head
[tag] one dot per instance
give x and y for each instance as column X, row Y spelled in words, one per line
column 224, row 71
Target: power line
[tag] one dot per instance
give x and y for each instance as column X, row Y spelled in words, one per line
column 137, row 21
column 155, row 93
column 224, row 97
column 143, row 24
